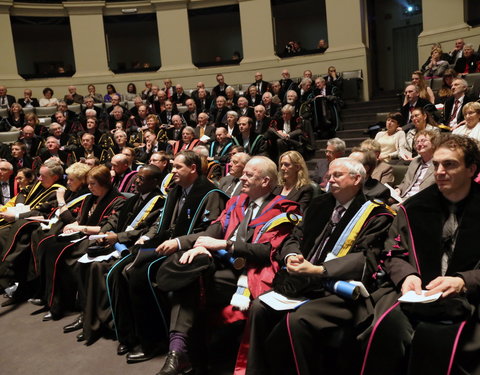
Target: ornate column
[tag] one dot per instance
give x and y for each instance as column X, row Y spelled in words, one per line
column 257, row 30
column 172, row 17
column 8, row 62
column 88, row 38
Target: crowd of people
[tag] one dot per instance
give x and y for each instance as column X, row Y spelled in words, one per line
column 159, row 225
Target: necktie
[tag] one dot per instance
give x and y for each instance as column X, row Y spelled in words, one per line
column 449, row 237
column 454, row 111
column 322, row 239
column 202, row 131
column 231, row 188
column 243, row 226
column 20, row 163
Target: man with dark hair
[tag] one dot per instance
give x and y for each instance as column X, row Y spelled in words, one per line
column 253, row 143
column 19, row 158
column 219, row 90
column 413, row 101
column 428, row 251
column 190, row 206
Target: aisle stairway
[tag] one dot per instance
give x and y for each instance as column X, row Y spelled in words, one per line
column 356, row 118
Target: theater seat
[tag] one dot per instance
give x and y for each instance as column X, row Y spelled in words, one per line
column 9, row 137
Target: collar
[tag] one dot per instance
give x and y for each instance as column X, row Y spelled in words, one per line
column 259, row 201
column 346, row 205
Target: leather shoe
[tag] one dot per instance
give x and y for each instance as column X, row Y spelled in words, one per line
column 122, row 349
column 36, row 301
column 75, row 326
column 80, row 337
column 138, row 355
column 47, row 317
column 176, row 363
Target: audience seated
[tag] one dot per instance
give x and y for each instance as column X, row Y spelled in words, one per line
column 392, row 140
column 468, row 63
column 420, row 172
column 471, row 128
column 130, row 152
column 293, row 181
column 446, row 90
column 48, row 100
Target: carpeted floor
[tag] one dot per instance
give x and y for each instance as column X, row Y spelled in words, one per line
column 30, row 346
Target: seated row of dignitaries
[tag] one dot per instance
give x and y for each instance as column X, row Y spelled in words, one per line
column 189, row 207
column 252, row 227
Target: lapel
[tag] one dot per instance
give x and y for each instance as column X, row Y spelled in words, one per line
column 358, row 201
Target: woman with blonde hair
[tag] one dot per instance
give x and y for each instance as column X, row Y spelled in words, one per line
column 471, row 129
column 293, row 180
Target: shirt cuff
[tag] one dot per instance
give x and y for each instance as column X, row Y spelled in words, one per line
column 288, row 255
column 178, row 243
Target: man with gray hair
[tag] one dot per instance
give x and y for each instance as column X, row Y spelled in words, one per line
column 335, row 149
column 6, row 181
column 453, row 114
column 231, row 183
column 238, row 232
column 52, row 145
column 323, row 247
column 16, row 231
column 468, row 62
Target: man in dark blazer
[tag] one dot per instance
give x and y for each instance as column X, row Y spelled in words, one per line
column 429, row 247
column 191, row 114
column 33, row 142
column 233, row 232
column 204, row 129
column 311, row 257
column 253, row 143
column 452, row 113
column 261, row 121
column 27, row 100
column 219, row 90
column 413, row 101
column 191, row 205
column 6, row 101
column 243, row 109
column 179, row 97
column 219, row 112
column 52, row 146
column 203, row 101
column 261, row 85
column 20, row 158
column 6, row 182
column 231, row 183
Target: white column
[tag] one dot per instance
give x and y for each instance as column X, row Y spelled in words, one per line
column 173, row 34
column 88, row 38
column 8, row 62
column 257, row 30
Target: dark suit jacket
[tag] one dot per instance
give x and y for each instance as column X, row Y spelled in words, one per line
column 219, row 116
column 211, row 209
column 204, row 108
column 256, row 145
column 302, row 196
column 217, row 91
column 119, row 221
column 449, row 104
column 351, row 266
column 249, row 112
column 61, row 154
column 33, row 102
column 187, row 118
column 10, row 100
column 258, row 100
column 180, row 100
column 229, row 186
column 209, row 131
column 405, row 110
column 264, row 86
column 11, row 187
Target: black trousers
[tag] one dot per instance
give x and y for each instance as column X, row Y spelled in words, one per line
column 313, row 339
